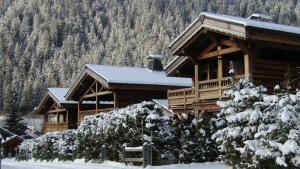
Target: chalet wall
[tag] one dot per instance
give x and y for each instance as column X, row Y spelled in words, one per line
column 128, row 97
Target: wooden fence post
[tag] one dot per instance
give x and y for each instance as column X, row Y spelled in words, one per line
column 124, row 154
column 103, row 153
column 147, row 155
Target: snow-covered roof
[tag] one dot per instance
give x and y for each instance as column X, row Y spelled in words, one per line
column 135, row 75
column 254, row 23
column 59, row 94
column 9, row 134
column 245, row 22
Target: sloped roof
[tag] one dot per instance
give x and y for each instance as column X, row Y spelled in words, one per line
column 59, row 94
column 200, row 22
column 135, row 75
column 109, row 76
column 9, row 135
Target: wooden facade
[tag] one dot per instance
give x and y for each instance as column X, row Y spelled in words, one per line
column 215, row 44
column 110, row 93
column 10, row 143
column 59, row 114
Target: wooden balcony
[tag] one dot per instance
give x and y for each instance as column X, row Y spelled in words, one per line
column 59, row 126
column 83, row 113
column 184, row 100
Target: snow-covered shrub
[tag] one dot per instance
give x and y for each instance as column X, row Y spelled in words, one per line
column 133, row 125
column 46, row 147
column 49, row 146
column 194, row 138
column 257, row 130
column 66, row 145
column 25, row 150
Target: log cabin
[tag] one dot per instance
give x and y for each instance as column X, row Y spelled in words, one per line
column 214, row 44
column 122, row 86
column 10, row 142
column 59, row 114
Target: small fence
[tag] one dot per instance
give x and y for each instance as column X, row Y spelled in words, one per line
column 145, row 151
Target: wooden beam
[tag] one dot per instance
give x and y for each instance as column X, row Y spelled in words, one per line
column 96, row 94
column 228, row 42
column 219, row 52
column 208, row 49
column 90, row 88
column 56, row 110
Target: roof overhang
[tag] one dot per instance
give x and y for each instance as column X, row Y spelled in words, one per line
column 176, row 63
column 49, row 96
column 241, row 28
column 80, row 78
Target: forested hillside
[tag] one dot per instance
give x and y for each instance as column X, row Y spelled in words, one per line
column 45, row 43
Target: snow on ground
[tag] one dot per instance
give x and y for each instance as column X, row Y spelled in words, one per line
column 79, row 164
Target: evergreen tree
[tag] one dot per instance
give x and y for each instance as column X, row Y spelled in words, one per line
column 14, row 123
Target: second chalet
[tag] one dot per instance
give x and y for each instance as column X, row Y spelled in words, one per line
column 213, row 44
column 121, row 86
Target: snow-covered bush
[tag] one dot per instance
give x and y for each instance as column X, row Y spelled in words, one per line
column 257, row 130
column 194, row 137
column 49, row 146
column 46, row 146
column 133, row 125
column 25, row 150
column 66, row 145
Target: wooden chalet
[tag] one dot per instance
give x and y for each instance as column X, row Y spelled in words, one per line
column 59, row 114
column 120, row 86
column 10, row 142
column 213, row 44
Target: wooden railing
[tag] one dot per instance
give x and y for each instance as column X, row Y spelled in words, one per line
column 208, row 89
column 181, row 98
column 213, row 89
column 84, row 113
column 56, row 126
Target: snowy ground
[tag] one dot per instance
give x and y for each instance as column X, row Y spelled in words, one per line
column 79, row 164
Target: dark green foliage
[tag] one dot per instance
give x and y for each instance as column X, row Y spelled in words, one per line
column 195, row 143
column 14, row 123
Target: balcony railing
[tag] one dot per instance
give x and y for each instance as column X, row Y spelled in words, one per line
column 183, row 99
column 56, row 126
column 83, row 113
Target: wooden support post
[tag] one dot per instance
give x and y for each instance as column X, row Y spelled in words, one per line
column 246, row 65
column 96, row 98
column 184, row 97
column 220, row 72
column 57, row 120
column 196, row 83
column 78, row 112
column 196, row 110
column 67, row 120
column 115, row 100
